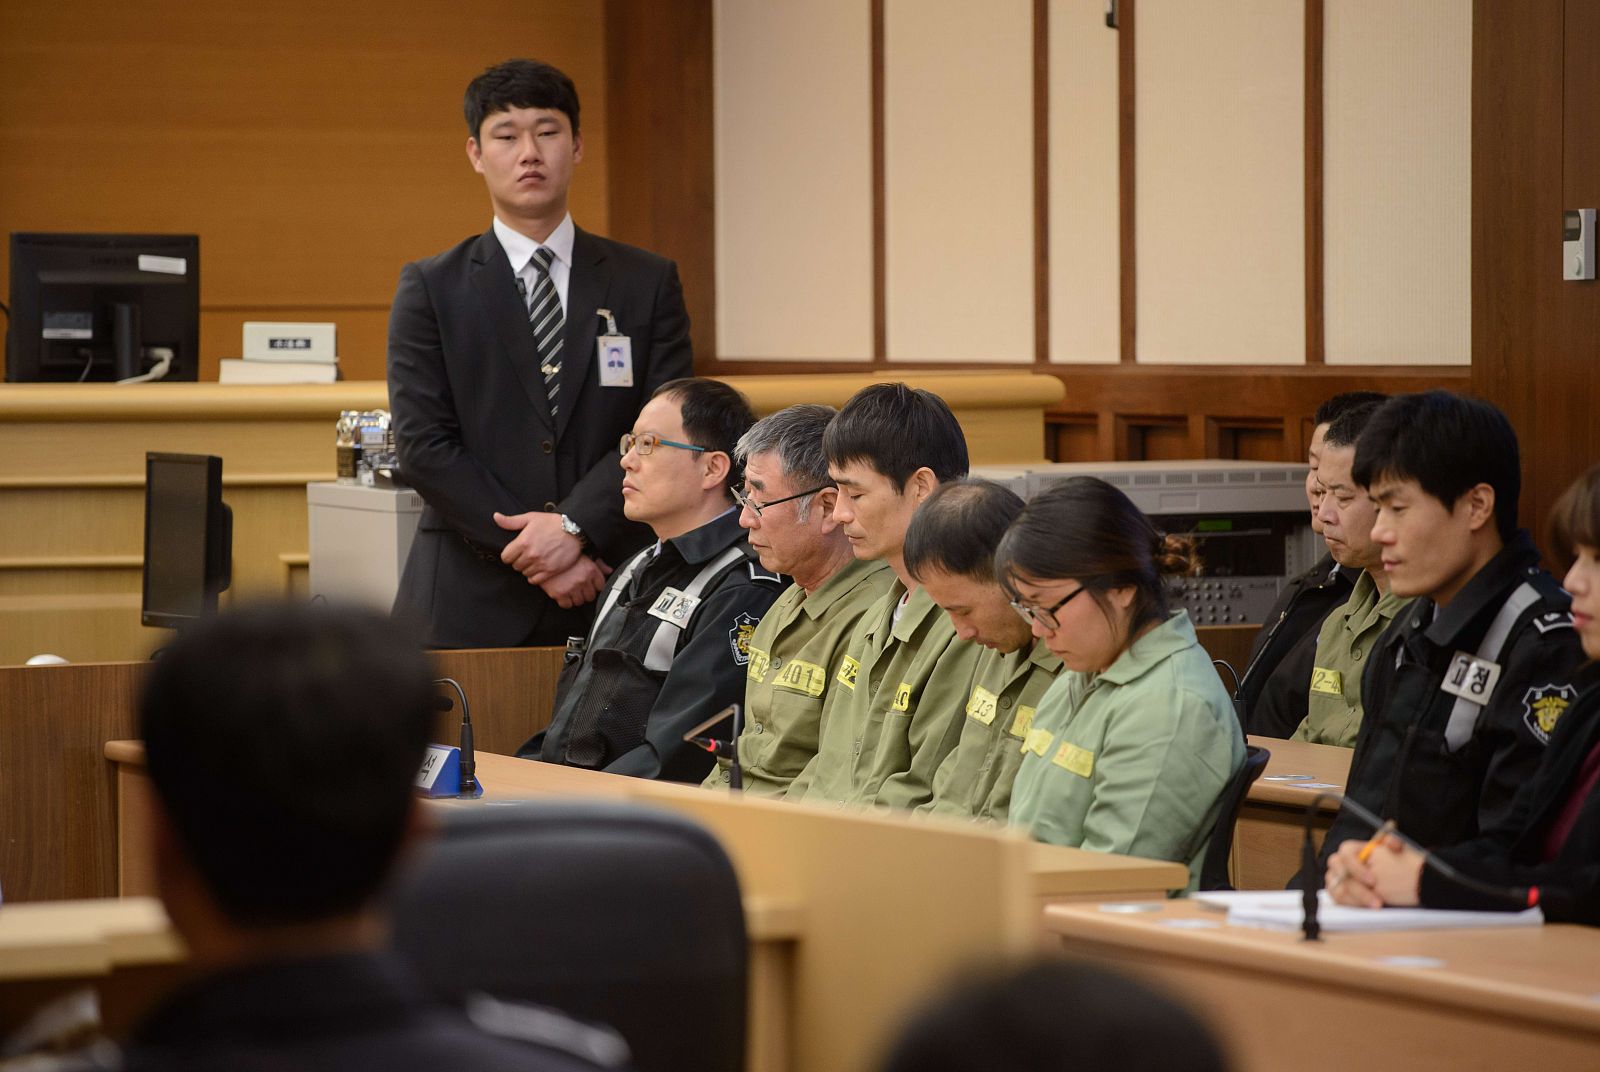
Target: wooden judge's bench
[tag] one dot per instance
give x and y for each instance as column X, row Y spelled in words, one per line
column 72, row 483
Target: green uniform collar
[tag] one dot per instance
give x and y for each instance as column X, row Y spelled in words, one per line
column 1165, row 640
column 918, row 608
column 855, row 573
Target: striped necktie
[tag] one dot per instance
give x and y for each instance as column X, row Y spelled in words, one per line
column 544, row 314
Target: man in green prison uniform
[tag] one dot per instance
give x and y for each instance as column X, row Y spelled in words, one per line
column 787, row 505
column 950, row 549
column 1350, row 632
column 888, row 449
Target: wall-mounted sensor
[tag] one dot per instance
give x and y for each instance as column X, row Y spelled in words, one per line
column 1577, row 243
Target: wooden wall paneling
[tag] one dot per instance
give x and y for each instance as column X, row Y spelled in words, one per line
column 1260, row 439
column 1227, row 411
column 512, row 692
column 313, row 148
column 1315, row 337
column 1041, row 182
column 1521, row 359
column 1128, row 176
column 661, row 146
column 880, row 212
column 1567, row 441
column 57, row 794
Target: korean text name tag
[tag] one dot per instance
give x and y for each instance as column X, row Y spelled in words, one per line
column 1471, row 677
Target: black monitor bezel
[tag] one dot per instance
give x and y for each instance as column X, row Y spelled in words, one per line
column 218, row 541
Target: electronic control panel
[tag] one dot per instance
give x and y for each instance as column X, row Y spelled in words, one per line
column 1250, row 522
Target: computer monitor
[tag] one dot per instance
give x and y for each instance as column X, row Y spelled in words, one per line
column 188, row 538
column 98, row 307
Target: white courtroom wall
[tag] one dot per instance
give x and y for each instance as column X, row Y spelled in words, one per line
column 1397, row 182
column 958, row 184
column 1219, row 182
column 793, row 179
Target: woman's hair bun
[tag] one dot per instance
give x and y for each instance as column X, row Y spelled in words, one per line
column 1175, row 555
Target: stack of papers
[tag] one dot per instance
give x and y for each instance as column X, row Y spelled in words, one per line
column 1282, row 910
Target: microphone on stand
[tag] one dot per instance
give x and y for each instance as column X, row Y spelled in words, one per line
column 469, row 762
column 722, row 749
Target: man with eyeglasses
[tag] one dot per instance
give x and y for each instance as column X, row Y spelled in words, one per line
column 670, row 643
column 887, row 728
column 787, row 506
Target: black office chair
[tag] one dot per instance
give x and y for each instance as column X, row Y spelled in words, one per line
column 613, row 913
column 1214, row 868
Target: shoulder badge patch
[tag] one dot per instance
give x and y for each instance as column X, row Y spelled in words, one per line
column 744, row 628
column 1543, row 706
column 1556, row 619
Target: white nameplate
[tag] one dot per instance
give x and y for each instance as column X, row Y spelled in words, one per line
column 675, row 607
column 267, row 341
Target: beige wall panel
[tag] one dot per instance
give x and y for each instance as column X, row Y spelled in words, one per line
column 958, row 145
column 314, row 147
column 1397, row 182
column 1221, row 181
column 1085, row 255
column 794, row 179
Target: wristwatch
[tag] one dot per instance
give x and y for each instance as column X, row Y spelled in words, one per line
column 570, row 527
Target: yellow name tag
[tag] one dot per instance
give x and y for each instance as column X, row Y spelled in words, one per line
column 1079, row 761
column 805, row 677
column 759, row 662
column 848, row 669
column 1326, row 681
column 902, row 697
column 982, row 705
column 1021, row 721
column 1038, row 742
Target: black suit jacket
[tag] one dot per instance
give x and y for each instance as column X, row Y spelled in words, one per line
column 1510, row 854
column 474, row 432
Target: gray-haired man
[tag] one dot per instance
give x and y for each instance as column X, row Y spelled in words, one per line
column 787, row 505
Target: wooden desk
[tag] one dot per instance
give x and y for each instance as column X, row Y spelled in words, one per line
column 125, row 949
column 1056, row 874
column 76, row 451
column 1267, row 838
column 870, row 910
column 57, row 795
column 1502, row 998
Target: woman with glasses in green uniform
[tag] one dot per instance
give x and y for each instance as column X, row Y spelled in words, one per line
column 1132, row 745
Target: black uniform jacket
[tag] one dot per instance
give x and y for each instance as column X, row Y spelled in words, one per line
column 474, row 433
column 1401, row 767
column 1274, row 694
column 1511, row 852
column 337, row 1013
column 604, row 698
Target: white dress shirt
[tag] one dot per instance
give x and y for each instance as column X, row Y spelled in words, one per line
column 520, row 250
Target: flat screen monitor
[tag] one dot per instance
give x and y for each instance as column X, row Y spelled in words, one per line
column 188, row 538
column 99, row 307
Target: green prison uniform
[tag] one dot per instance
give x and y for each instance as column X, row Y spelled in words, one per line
column 1133, row 759
column 974, row 781
column 794, row 656
column 875, row 692
column 1348, row 635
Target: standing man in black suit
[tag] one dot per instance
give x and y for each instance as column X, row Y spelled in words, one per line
column 517, row 359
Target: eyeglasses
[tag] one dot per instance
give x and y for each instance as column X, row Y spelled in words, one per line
column 646, row 443
column 747, row 503
column 1045, row 617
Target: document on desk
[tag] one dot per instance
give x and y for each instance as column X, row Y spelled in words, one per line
column 1282, row 910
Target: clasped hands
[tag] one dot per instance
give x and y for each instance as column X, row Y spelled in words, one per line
column 1388, row 876
column 552, row 558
